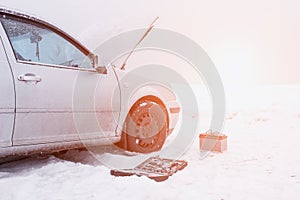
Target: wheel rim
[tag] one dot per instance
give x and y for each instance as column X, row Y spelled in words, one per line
column 146, row 127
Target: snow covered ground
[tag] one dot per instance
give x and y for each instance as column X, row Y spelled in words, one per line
column 262, row 161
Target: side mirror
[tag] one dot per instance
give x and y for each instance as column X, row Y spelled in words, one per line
column 101, row 70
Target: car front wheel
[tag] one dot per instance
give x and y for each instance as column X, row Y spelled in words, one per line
column 145, row 127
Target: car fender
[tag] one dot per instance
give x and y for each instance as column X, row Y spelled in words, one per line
column 151, row 91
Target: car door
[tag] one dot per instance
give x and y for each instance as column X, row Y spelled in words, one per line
column 7, row 100
column 46, row 67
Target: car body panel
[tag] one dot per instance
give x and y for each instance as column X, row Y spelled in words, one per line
column 7, row 100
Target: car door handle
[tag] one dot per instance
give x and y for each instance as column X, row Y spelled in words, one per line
column 29, row 78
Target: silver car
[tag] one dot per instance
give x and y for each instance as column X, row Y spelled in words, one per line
column 45, row 99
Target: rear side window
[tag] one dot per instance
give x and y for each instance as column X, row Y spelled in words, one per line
column 34, row 42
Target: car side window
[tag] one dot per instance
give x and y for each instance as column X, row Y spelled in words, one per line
column 35, row 42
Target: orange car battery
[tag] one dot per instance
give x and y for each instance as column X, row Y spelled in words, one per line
column 213, row 141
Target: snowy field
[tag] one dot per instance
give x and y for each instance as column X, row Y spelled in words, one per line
column 262, row 161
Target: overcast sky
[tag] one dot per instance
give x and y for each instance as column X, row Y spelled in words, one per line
column 250, row 42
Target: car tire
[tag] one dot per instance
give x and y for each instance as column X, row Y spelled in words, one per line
column 145, row 127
